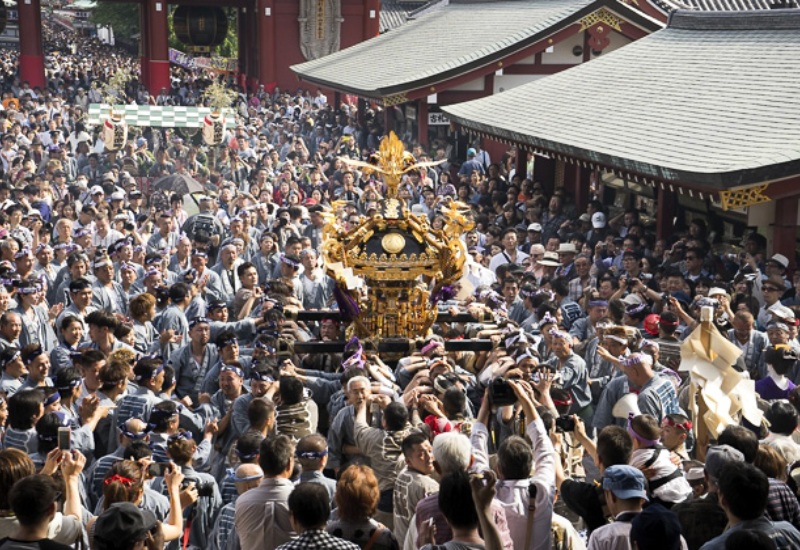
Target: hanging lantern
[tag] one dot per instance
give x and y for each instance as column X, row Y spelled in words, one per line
column 213, row 129
column 200, row 27
column 115, row 133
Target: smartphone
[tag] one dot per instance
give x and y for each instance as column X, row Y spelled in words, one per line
column 64, row 436
column 158, row 469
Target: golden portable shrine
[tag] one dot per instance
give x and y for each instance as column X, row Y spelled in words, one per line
column 393, row 268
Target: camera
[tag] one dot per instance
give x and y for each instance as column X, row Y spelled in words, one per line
column 203, row 489
column 501, row 393
column 565, row 424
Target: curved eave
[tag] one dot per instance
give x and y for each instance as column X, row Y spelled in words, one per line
column 633, row 16
column 709, row 181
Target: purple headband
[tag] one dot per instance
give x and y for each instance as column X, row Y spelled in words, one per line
column 430, row 346
column 560, row 334
column 52, row 398
column 633, row 310
column 598, row 303
column 636, row 359
column 547, row 319
column 637, row 437
column 234, row 369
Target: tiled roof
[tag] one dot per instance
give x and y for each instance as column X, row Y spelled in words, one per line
column 713, row 100
column 393, row 15
column 717, row 5
column 447, row 42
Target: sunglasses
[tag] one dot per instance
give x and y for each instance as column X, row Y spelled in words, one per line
column 769, row 289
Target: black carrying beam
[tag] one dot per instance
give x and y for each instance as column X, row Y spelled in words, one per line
column 319, row 315
column 388, row 345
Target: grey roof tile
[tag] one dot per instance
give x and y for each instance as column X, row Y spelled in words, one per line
column 711, row 98
column 448, row 37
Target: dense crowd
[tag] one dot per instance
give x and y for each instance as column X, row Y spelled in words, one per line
column 152, row 396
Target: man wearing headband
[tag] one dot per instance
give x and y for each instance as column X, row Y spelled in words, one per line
column 229, row 354
column 81, row 295
column 13, row 371
column 182, row 259
column 148, row 375
column 207, row 281
column 290, row 266
column 583, row 329
column 262, row 384
column 174, row 318
column 108, row 294
column 573, row 372
column 312, row 455
column 194, row 359
column 656, row 392
column 165, row 238
column 231, row 380
column 246, row 477
column 226, row 269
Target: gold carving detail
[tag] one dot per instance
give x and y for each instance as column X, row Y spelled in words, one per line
column 601, row 16
column 742, row 198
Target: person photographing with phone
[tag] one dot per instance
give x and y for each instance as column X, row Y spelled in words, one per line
column 527, row 499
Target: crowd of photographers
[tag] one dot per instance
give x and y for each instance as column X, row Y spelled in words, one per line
column 153, row 397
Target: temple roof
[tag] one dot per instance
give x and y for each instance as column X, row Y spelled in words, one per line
column 713, row 101
column 453, row 39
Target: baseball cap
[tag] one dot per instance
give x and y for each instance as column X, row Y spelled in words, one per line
column 117, row 196
column 598, row 220
column 625, row 482
column 535, row 227
column 656, row 527
column 782, row 312
column 718, row 456
column 123, row 521
column 95, row 190
column 471, row 152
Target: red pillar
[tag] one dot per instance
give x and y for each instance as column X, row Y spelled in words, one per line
column 372, row 18
column 667, row 209
column 265, row 33
column 245, row 48
column 521, row 162
column 422, row 115
column 158, row 51
column 784, row 231
column 144, row 46
column 31, row 60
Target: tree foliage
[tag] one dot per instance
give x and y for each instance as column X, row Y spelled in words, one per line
column 123, row 18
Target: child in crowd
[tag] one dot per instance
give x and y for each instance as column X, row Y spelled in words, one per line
column 667, row 483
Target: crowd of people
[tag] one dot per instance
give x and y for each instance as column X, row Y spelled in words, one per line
column 151, row 394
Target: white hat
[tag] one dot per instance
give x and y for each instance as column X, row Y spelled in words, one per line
column 782, row 312
column 584, row 217
column 632, row 299
column 598, row 220
column 550, row 259
column 780, row 259
column 117, row 196
column 716, row 291
column 567, row 248
column 535, row 227
column 95, row 190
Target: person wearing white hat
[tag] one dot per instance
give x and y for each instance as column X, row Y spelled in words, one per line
column 566, row 255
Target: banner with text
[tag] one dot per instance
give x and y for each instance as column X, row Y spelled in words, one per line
column 218, row 64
